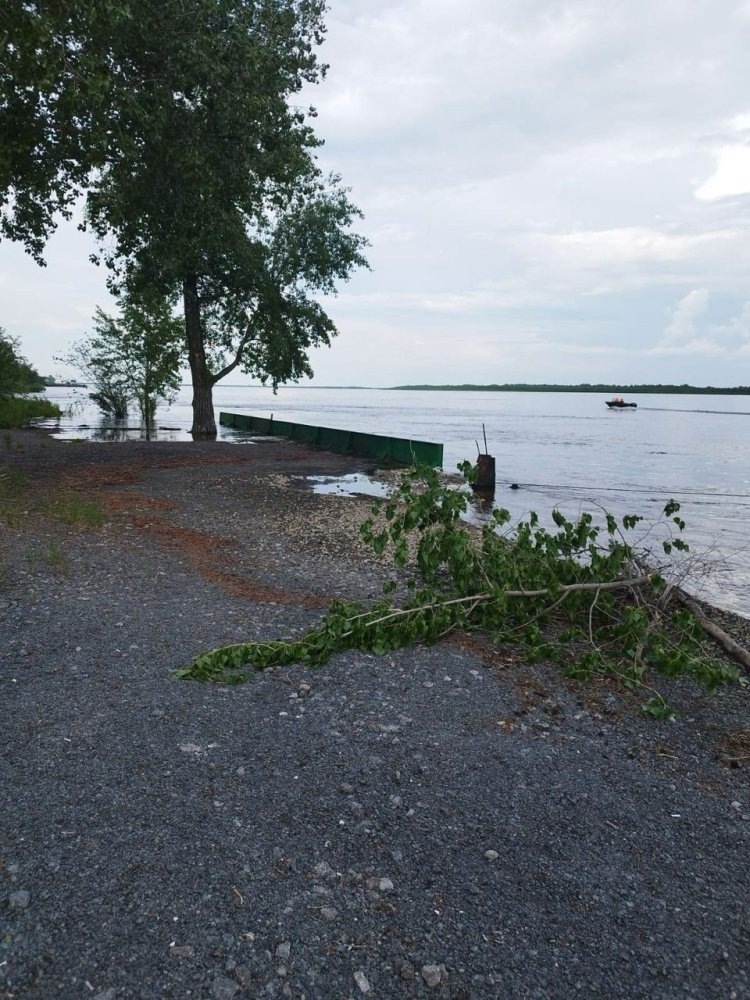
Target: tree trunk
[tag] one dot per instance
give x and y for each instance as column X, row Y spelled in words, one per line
column 204, row 422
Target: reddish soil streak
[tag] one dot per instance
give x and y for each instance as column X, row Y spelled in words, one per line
column 201, row 550
column 125, row 502
column 85, row 477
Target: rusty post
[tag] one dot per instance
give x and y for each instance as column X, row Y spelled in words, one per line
column 485, row 480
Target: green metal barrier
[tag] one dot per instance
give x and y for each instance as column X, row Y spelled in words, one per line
column 378, row 446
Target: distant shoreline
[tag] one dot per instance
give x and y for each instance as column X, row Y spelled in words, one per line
column 674, row 390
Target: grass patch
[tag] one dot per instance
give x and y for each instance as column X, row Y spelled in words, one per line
column 56, row 558
column 73, row 509
column 13, row 495
column 15, row 411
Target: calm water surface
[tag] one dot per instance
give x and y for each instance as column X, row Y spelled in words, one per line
column 562, row 449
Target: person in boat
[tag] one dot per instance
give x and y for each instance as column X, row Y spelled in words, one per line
column 617, row 399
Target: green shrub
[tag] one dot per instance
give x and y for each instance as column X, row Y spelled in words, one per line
column 15, row 411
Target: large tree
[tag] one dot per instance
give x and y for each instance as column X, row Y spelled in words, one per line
column 201, row 174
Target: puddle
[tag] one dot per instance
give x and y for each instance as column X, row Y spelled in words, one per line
column 351, row 485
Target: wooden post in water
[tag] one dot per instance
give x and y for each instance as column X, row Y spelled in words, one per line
column 485, row 481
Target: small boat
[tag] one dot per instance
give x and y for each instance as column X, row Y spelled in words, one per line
column 620, row 404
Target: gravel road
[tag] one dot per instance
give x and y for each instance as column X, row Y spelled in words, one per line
column 439, row 822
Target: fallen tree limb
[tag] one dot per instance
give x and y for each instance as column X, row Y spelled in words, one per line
column 605, row 623
column 570, row 588
column 737, row 652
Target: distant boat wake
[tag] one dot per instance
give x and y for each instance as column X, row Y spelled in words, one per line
column 675, row 409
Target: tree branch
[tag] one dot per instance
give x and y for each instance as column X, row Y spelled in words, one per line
column 475, row 599
column 246, row 338
column 734, row 649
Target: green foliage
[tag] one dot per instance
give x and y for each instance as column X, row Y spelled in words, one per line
column 134, row 357
column 58, row 100
column 16, row 374
column 15, row 411
column 576, row 595
column 178, row 120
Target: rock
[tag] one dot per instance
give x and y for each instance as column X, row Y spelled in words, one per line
column 283, row 951
column 109, row 994
column 329, row 914
column 406, row 970
column 224, row 989
column 244, row 976
column 362, row 982
column 322, row 869
column 433, row 974
column 181, row 951
column 358, row 809
column 19, row 899
column 491, row 855
column 381, row 884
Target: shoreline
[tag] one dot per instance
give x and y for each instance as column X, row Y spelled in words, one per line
column 443, row 821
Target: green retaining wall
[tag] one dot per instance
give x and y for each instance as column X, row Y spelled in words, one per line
column 384, row 449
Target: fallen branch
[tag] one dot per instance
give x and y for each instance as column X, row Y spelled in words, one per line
column 737, row 652
column 570, row 588
column 615, row 620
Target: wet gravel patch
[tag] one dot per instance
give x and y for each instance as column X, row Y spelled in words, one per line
column 438, row 822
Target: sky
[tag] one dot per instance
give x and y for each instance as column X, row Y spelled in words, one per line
column 554, row 191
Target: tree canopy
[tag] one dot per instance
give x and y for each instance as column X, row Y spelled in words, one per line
column 201, row 174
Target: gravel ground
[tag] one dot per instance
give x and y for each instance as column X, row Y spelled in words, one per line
column 439, row 822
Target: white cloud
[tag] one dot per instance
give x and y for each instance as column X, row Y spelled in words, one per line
column 737, row 329
column 690, row 333
column 682, row 326
column 731, row 177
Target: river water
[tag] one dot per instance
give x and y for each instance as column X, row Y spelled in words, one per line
column 565, row 450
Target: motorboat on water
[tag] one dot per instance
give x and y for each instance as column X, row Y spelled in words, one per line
column 618, row 403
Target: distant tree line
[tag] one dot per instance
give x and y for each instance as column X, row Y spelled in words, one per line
column 706, row 390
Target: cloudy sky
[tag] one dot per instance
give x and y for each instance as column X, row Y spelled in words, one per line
column 555, row 191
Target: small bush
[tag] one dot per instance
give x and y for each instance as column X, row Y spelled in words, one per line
column 15, row 411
